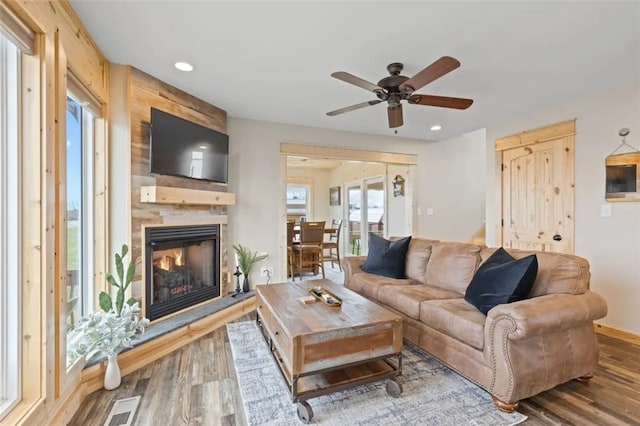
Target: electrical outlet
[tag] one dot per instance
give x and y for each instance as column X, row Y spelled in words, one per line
column 266, row 271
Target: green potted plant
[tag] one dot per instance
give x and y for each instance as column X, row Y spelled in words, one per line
column 246, row 260
column 110, row 331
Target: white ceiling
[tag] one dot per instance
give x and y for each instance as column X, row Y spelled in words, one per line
column 272, row 60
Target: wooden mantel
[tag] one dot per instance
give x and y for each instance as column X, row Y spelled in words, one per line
column 169, row 195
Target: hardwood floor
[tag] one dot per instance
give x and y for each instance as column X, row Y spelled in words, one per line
column 197, row 385
column 612, row 397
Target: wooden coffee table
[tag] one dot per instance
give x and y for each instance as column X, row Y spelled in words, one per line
column 322, row 349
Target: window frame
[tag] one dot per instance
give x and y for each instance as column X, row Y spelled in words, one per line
column 10, row 351
column 87, row 225
column 308, row 185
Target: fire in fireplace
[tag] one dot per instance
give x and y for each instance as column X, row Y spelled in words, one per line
column 182, row 267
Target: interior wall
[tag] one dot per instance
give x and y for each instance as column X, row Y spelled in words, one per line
column 453, row 186
column 257, row 219
column 610, row 244
column 399, row 218
column 119, row 147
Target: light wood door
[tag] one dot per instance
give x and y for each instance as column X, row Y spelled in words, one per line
column 538, row 196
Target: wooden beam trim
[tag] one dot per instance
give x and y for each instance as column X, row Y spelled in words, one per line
column 339, row 153
column 542, row 134
column 169, row 195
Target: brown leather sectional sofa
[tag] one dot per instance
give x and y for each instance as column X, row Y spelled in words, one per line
column 518, row 349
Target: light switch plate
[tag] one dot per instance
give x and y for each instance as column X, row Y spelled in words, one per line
column 605, row 210
column 429, row 211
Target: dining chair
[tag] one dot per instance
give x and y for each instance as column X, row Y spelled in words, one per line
column 309, row 251
column 333, row 244
column 290, row 257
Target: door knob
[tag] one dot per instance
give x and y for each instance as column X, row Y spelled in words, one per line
column 557, row 237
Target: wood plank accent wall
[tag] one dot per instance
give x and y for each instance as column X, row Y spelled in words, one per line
column 145, row 92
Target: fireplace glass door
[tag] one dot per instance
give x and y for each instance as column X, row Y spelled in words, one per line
column 182, row 267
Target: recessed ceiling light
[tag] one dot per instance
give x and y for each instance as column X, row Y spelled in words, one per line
column 184, row 66
column 436, row 127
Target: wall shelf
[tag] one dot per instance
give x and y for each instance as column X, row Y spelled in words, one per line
column 169, row 195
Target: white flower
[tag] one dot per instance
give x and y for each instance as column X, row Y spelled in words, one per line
column 105, row 332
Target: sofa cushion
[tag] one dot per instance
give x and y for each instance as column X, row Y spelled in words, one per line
column 501, row 279
column 557, row 273
column 368, row 285
column 386, row 258
column 452, row 265
column 407, row 298
column 455, row 318
column 417, row 258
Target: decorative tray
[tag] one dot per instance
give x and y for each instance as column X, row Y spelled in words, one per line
column 325, row 296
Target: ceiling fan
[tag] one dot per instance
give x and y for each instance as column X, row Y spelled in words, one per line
column 396, row 88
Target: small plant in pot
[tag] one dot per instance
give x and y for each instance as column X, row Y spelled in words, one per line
column 246, row 260
column 110, row 331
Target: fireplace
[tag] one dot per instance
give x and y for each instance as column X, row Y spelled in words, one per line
column 182, row 267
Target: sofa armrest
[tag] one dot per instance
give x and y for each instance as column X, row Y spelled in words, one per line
column 352, row 265
column 538, row 343
column 547, row 314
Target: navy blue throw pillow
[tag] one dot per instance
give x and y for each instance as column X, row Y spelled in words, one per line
column 501, row 279
column 386, row 258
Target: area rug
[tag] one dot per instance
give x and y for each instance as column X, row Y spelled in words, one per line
column 433, row 394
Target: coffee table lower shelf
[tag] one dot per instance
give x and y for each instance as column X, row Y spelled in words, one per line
column 347, row 376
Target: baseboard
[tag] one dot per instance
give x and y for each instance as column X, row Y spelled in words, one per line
column 617, row 334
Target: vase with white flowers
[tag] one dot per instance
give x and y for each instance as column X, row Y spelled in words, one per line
column 110, row 331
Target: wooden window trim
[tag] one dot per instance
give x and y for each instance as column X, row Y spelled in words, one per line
column 16, row 30
column 83, row 96
column 33, row 283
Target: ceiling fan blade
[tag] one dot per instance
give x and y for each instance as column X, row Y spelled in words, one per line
column 356, row 81
column 442, row 66
column 353, row 107
column 395, row 116
column 440, row 101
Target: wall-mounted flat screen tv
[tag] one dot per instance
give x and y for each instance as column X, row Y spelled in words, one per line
column 183, row 148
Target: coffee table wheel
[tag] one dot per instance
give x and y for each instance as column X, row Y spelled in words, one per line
column 305, row 413
column 394, row 388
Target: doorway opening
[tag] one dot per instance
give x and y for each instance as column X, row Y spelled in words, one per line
column 352, row 186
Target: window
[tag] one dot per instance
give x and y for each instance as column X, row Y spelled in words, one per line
column 297, row 202
column 79, row 210
column 9, row 225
